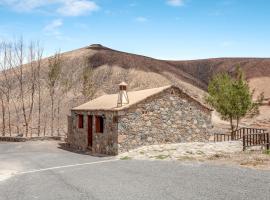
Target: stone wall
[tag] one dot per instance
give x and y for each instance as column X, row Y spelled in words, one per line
column 103, row 143
column 77, row 138
column 106, row 142
column 169, row 117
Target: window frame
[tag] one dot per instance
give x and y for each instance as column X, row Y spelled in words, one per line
column 99, row 124
column 80, row 121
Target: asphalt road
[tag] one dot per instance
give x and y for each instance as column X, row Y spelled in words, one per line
column 40, row 170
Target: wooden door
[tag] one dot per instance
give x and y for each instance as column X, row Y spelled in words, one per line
column 90, row 130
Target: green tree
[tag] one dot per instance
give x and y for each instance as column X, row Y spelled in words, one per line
column 232, row 98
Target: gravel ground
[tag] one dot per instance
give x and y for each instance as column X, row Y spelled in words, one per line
column 178, row 151
column 225, row 153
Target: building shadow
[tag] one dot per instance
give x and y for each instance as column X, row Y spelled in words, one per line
column 65, row 146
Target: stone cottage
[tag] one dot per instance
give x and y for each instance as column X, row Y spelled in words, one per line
column 116, row 123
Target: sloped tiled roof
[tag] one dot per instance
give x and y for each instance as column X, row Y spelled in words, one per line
column 109, row 102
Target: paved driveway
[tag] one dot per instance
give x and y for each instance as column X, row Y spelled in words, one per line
column 40, row 170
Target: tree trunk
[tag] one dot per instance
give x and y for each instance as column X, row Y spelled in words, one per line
column 25, row 122
column 58, row 118
column 45, row 125
column 17, row 117
column 4, row 117
column 52, row 114
column 39, row 109
column 8, row 107
column 29, row 120
column 26, row 129
column 232, row 128
column 39, row 58
column 9, row 122
column 22, row 101
column 237, row 123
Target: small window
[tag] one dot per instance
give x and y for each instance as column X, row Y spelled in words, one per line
column 144, row 112
column 99, row 124
column 115, row 119
column 80, row 121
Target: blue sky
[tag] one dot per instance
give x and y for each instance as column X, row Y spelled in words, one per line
column 165, row 29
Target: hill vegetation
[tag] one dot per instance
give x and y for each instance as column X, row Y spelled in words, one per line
column 26, row 95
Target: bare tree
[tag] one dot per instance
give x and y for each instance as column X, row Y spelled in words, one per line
column 5, row 83
column 2, row 88
column 32, row 81
column 19, row 73
column 39, row 59
column 53, row 78
column 18, row 83
column 3, row 114
column 8, row 81
column 26, row 81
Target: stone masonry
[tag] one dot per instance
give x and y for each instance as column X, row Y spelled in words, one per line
column 165, row 118
column 103, row 143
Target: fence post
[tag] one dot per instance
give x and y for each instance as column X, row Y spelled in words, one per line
column 268, row 141
column 244, row 143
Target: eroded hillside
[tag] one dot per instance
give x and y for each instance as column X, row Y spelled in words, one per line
column 110, row 67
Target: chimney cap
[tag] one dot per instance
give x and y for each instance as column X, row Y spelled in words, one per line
column 123, row 84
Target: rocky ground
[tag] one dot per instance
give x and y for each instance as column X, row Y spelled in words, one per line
column 217, row 153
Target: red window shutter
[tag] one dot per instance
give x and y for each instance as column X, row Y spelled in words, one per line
column 101, row 124
column 80, row 121
column 97, row 124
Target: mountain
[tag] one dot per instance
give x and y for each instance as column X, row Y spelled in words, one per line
column 257, row 70
column 110, row 67
column 193, row 74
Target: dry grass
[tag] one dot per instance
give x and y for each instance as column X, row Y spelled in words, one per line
column 250, row 159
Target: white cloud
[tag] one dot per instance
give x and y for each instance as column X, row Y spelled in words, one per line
column 53, row 27
column 175, row 2
column 23, row 5
column 62, row 7
column 141, row 19
column 77, row 7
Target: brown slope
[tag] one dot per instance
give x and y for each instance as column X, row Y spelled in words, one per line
column 106, row 56
column 206, row 68
column 195, row 72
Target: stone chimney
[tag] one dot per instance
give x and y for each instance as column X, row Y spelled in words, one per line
column 122, row 95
